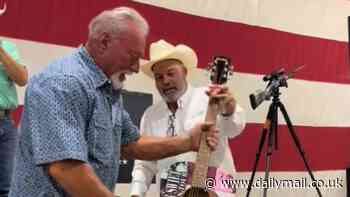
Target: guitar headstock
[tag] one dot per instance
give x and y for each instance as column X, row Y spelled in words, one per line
column 220, row 70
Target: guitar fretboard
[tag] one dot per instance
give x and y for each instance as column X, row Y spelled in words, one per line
column 201, row 167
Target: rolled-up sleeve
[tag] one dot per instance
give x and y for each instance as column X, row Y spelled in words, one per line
column 57, row 113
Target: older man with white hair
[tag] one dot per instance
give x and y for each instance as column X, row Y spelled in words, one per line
column 74, row 127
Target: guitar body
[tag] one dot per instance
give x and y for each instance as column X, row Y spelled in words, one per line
column 198, row 192
column 178, row 181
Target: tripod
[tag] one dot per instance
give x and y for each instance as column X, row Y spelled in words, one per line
column 271, row 125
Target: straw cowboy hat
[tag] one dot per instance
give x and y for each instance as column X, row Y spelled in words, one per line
column 162, row 50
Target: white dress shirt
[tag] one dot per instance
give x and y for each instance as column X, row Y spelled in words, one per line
column 192, row 107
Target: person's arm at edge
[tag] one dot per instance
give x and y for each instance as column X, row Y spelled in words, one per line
column 17, row 72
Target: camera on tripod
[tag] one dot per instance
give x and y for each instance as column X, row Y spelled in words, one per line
column 275, row 80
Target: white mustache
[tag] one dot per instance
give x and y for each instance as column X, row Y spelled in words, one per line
column 3, row 10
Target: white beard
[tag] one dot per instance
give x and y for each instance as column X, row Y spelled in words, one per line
column 117, row 84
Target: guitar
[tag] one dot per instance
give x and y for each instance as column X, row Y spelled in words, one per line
column 185, row 179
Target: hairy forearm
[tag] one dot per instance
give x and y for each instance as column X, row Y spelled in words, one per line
column 78, row 179
column 15, row 71
column 154, row 148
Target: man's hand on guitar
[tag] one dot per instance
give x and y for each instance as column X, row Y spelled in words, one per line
column 227, row 102
column 211, row 134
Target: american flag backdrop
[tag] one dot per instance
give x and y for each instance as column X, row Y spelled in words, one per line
column 259, row 36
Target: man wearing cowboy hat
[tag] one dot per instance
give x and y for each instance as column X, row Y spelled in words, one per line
column 182, row 106
column 11, row 73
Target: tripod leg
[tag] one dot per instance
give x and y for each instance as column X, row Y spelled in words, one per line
column 267, row 126
column 257, row 158
column 298, row 144
column 270, row 145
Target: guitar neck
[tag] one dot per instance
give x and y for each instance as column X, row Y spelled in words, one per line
column 201, row 168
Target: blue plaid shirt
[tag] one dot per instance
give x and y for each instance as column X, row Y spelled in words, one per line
column 71, row 112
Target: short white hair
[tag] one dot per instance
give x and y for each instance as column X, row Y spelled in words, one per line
column 115, row 21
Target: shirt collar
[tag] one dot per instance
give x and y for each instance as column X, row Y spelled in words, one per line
column 99, row 78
